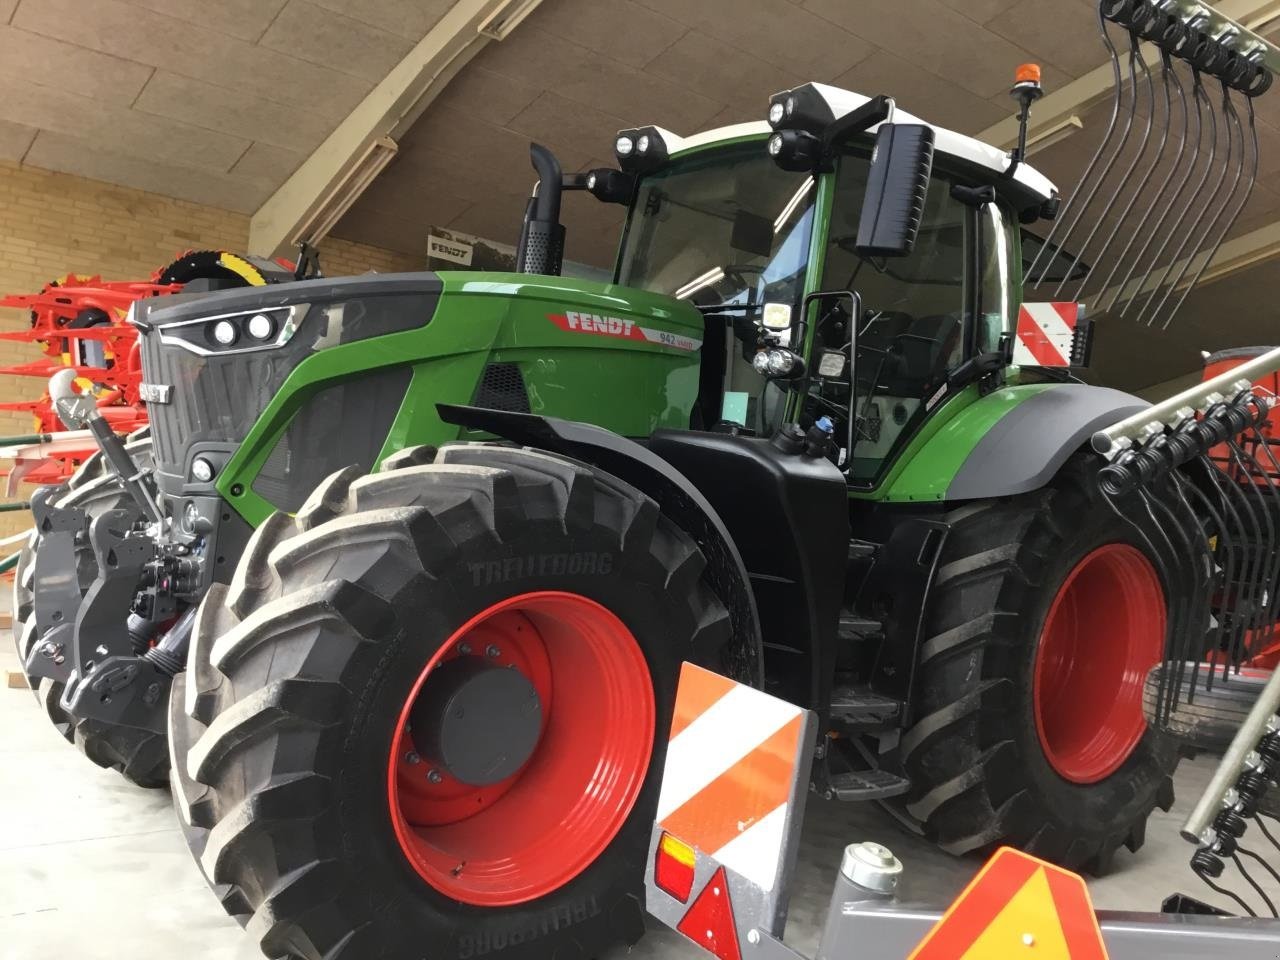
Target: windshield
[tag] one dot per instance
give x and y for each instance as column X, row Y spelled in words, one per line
column 725, row 226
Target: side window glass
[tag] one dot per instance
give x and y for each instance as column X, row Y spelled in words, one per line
column 997, row 297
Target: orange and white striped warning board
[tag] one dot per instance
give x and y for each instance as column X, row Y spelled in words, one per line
column 1046, row 334
column 1017, row 906
column 732, row 765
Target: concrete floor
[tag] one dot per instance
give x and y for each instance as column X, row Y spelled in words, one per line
column 93, row 868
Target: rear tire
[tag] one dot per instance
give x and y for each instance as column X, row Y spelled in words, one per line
column 282, row 726
column 985, row 771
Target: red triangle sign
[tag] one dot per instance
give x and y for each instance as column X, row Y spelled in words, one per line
column 709, row 922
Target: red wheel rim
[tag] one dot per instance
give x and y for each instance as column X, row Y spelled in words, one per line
column 1104, row 632
column 530, row 834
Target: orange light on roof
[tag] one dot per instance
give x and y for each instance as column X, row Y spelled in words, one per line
column 1027, row 73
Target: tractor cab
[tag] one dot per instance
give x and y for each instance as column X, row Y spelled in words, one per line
column 850, row 262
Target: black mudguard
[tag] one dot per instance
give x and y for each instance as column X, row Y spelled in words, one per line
column 1029, row 444
column 789, row 517
column 678, row 497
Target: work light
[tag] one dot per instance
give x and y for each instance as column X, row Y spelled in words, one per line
column 802, row 108
column 640, row 150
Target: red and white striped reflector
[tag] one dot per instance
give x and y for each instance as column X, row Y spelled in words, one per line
column 1046, row 334
column 731, row 764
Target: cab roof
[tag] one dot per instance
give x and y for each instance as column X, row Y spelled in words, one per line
column 1034, row 185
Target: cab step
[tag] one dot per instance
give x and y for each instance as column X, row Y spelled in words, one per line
column 853, row 706
column 856, row 628
column 856, row 785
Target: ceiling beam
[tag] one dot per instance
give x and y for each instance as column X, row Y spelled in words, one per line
column 332, row 177
column 1055, row 108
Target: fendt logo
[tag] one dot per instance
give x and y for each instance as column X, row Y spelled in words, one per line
column 620, row 328
column 594, row 323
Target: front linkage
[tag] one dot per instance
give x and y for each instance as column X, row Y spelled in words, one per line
column 112, row 644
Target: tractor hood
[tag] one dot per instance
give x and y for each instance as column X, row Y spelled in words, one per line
column 235, row 378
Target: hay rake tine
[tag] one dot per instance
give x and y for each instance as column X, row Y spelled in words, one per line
column 1235, row 215
column 1080, row 209
column 1202, row 100
column 1170, row 81
column 1135, row 58
column 1117, row 86
column 1234, row 132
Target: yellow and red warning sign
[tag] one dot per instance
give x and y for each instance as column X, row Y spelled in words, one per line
column 1017, row 906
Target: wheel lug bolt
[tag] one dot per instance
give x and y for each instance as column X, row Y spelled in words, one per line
column 492, row 651
column 434, row 776
column 411, row 757
column 464, row 648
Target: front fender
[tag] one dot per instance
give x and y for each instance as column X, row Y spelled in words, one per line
column 677, row 496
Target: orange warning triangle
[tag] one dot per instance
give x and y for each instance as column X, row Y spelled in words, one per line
column 1017, row 905
column 709, row 922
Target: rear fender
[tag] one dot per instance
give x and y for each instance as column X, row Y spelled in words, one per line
column 1024, row 449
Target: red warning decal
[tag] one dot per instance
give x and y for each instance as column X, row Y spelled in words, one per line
column 621, row 328
column 709, row 922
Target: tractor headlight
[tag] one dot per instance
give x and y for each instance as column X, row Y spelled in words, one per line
column 642, row 145
column 261, row 326
column 190, row 514
column 780, row 362
column 225, row 333
column 776, row 113
column 201, row 470
column 624, row 146
column 236, row 332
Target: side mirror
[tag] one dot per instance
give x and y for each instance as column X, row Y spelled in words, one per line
column 897, row 182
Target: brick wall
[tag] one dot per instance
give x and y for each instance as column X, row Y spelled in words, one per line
column 52, row 224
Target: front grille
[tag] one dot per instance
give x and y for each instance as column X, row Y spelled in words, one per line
column 213, row 398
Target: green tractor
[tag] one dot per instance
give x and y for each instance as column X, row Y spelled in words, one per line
column 421, row 555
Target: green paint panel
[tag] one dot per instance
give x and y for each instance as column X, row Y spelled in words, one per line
column 929, row 463
column 621, row 358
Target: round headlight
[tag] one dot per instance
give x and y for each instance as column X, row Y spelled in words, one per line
column 225, row 332
column 261, row 326
column 623, row 146
column 775, row 145
column 790, row 105
column 780, row 362
column 642, row 145
column 775, row 113
column 190, row 515
column 201, row 470
column 591, row 181
column 761, row 362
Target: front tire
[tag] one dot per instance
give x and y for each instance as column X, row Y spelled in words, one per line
column 302, row 765
column 1047, row 613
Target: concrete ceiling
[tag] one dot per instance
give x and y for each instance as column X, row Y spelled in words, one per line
column 578, row 70
column 215, row 101
column 220, row 101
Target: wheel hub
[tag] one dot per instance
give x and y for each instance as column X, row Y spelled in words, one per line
column 476, row 721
